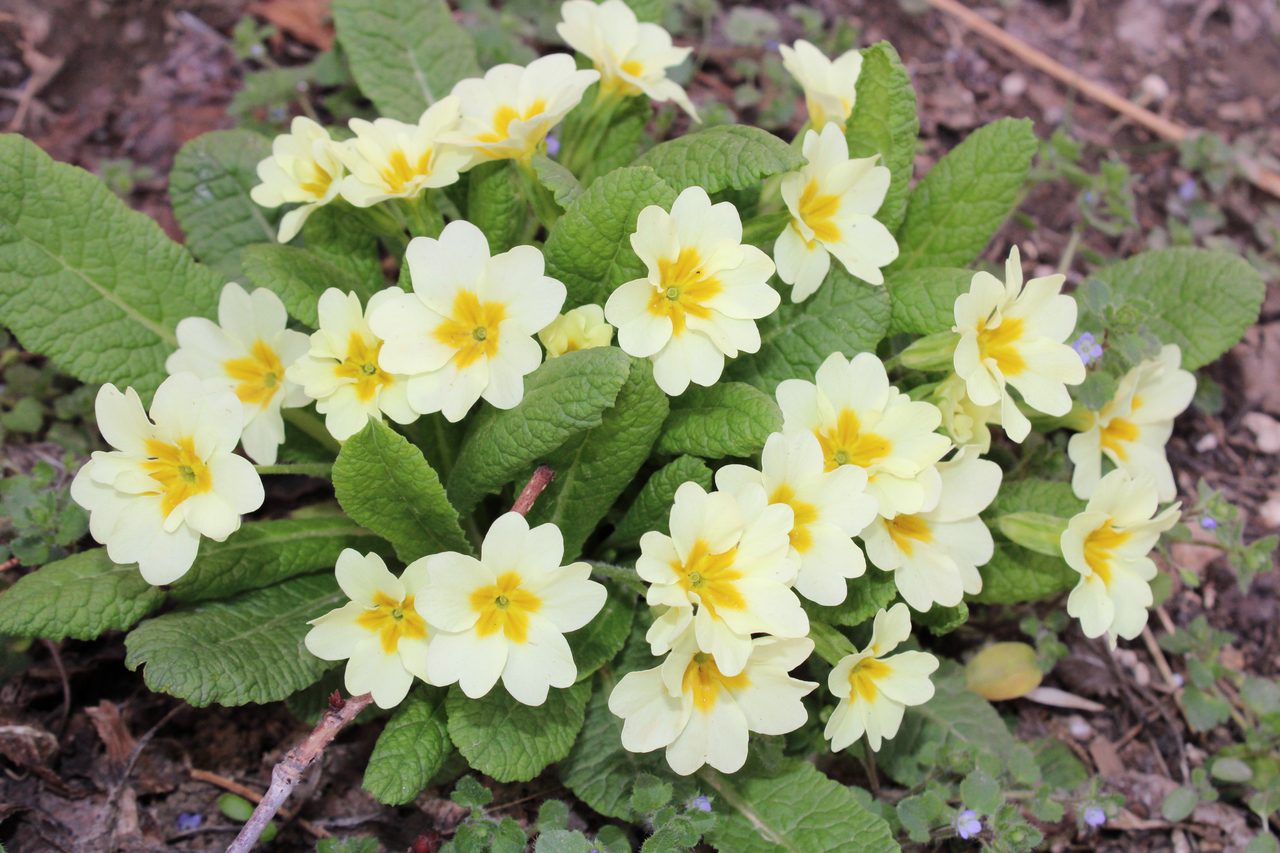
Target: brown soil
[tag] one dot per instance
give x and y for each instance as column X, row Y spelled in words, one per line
column 137, row 78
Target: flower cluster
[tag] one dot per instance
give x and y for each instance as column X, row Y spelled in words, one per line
column 450, row 618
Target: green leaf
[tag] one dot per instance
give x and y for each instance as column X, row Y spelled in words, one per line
column 350, row 844
column 728, row 155
column 553, row 814
column 245, row 649
column 209, row 187
column 344, row 236
column 298, row 277
column 798, row 810
column 924, row 299
column 1203, row 301
column 262, row 553
column 495, row 205
column 1015, row 573
column 404, row 54
column 471, row 794
column 79, row 597
column 596, row 643
column 1179, row 804
column 410, row 749
column 564, row 396
column 981, row 792
column 1038, row 531
column 84, row 280
column 600, row 771
column 561, row 841
column 867, row 596
column 953, row 213
column 621, row 138
column 884, row 122
column 828, row 643
column 384, row 483
column 563, row 185
column 594, row 466
column 726, row 419
column 942, row 620
column 651, row 510
column 589, row 247
column 513, row 742
column 845, row 315
column 955, row 717
column 649, row 793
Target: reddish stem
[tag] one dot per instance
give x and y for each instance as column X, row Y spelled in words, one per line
column 539, row 481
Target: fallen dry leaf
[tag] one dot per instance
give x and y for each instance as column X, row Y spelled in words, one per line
column 1265, row 429
column 1106, row 758
column 27, row 746
column 305, row 20
column 114, row 733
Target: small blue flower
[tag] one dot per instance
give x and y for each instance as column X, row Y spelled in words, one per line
column 702, row 804
column 1187, row 190
column 967, row 824
column 1209, row 522
column 1095, row 816
column 1088, row 197
column 188, row 821
column 1087, row 347
column 553, row 146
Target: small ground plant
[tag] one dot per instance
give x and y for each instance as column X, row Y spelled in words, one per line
column 680, row 441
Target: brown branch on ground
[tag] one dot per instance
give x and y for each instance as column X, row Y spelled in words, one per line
column 286, row 775
column 289, row 815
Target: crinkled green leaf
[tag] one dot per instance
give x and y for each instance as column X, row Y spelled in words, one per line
column 884, row 122
column 953, row 213
column 599, row 770
column 651, row 510
column 565, row 396
column 385, row 484
column 298, row 277
column 867, row 596
column 589, row 248
column 262, row 553
column 594, row 466
column 728, row 155
column 209, row 187
column 1203, row 300
column 596, row 643
column 1018, row 574
column 726, row 419
column 344, row 236
column 845, row 315
column 93, row 285
column 404, row 54
column 513, row 742
column 410, row 749
column 942, row 620
column 651, row 11
column 495, row 205
column 924, row 300
column 796, row 809
column 245, row 649
column 564, row 187
column 79, row 597
column 954, row 716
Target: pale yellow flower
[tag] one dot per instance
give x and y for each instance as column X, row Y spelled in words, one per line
column 580, row 328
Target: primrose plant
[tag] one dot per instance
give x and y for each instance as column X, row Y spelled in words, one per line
column 636, row 431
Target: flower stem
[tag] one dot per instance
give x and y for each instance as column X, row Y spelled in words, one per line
column 626, row 577
column 309, row 469
column 539, row 481
column 539, row 197
column 312, row 426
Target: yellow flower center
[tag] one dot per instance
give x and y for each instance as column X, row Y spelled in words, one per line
column 311, row 178
column 473, row 328
column 998, row 343
column 179, row 471
column 704, row 680
column 1119, row 431
column 817, row 211
column 683, row 290
column 259, row 374
column 1098, row 548
column 505, row 607
column 864, row 675
column 906, row 530
column 712, row 577
column 399, row 173
column 391, row 620
column 505, row 114
column 805, row 513
column 361, row 365
column 846, row 444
